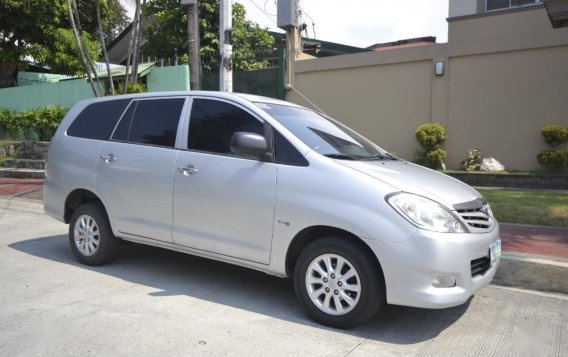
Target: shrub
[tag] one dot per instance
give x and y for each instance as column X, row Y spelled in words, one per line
column 132, row 88
column 431, row 135
column 436, row 158
column 37, row 124
column 555, row 134
column 554, row 160
column 473, row 160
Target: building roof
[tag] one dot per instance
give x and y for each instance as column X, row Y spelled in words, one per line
column 411, row 42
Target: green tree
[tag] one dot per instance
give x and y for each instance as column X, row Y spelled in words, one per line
column 33, row 30
column 167, row 33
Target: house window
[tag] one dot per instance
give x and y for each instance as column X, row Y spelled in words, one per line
column 491, row 5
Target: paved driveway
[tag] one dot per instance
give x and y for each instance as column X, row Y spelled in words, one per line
column 154, row 302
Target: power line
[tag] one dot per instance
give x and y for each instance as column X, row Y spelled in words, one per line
column 264, row 12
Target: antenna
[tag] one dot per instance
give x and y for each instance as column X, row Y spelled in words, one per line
column 291, row 87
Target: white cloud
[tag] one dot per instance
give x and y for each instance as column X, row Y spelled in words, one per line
column 363, row 22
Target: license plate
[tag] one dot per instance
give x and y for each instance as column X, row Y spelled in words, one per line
column 495, row 252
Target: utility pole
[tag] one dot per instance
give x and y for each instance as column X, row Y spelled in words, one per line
column 225, row 47
column 289, row 19
column 192, row 7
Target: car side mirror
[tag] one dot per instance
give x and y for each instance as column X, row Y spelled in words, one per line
column 250, row 144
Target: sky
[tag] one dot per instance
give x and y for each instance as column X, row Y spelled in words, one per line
column 361, row 23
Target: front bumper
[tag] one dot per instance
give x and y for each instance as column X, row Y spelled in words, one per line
column 408, row 267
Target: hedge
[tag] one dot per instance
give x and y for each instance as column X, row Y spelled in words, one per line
column 34, row 125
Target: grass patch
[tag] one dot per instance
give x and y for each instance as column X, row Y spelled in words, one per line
column 512, row 172
column 546, row 208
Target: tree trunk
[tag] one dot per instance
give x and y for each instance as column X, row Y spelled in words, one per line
column 135, row 42
column 138, row 43
column 85, row 48
column 80, row 47
column 103, row 45
column 8, row 70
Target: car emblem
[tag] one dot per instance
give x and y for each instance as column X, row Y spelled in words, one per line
column 485, row 210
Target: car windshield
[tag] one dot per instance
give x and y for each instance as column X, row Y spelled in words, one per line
column 324, row 135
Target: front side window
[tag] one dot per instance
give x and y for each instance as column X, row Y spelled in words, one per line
column 213, row 123
column 151, row 122
column 324, row 135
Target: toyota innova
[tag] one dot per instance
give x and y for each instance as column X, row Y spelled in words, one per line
column 272, row 186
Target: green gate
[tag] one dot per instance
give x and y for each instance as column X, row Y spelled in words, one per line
column 268, row 80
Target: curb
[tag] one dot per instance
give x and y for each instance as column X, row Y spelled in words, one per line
column 515, row 270
column 533, row 273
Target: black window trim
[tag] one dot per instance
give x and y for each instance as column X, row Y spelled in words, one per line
column 272, row 130
column 181, row 122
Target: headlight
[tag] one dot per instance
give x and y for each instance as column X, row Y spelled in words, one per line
column 425, row 213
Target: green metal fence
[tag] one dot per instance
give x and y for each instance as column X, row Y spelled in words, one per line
column 266, row 81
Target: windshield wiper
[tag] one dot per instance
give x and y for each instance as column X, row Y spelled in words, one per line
column 340, row 156
column 385, row 156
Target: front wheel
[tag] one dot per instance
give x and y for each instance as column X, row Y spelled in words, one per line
column 338, row 282
column 90, row 235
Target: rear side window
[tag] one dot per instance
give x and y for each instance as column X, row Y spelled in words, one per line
column 151, row 122
column 213, row 123
column 97, row 120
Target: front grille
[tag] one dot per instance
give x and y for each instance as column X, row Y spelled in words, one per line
column 476, row 215
column 475, row 218
column 480, row 266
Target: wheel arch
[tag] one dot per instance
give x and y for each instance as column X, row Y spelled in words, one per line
column 77, row 198
column 310, row 234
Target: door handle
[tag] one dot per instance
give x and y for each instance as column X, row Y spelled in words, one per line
column 188, row 170
column 109, row 158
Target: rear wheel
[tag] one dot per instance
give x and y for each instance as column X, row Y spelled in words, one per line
column 90, row 235
column 338, row 282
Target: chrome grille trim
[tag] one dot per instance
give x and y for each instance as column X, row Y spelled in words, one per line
column 476, row 215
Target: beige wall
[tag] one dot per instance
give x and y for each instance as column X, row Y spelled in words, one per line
column 374, row 109
column 496, row 94
column 463, row 7
column 514, row 22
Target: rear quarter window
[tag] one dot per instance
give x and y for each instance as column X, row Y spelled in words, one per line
column 97, row 120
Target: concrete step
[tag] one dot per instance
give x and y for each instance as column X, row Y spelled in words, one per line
column 31, row 155
column 22, row 173
column 24, row 164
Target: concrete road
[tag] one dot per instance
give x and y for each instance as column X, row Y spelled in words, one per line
column 153, row 302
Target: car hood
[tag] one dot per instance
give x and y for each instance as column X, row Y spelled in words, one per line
column 416, row 179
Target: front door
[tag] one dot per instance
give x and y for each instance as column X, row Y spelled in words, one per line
column 223, row 203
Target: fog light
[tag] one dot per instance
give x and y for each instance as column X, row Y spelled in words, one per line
column 443, row 281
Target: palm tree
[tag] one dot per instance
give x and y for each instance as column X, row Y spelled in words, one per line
column 138, row 40
column 103, row 45
column 80, row 47
column 89, row 60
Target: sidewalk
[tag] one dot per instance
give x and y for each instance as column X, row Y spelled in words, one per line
column 23, row 188
column 534, row 257
column 516, row 238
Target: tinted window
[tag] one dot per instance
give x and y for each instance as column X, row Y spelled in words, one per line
column 123, row 128
column 155, row 122
column 213, row 123
column 286, row 153
column 97, row 120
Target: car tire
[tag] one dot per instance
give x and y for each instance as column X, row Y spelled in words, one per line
column 338, row 282
column 90, row 235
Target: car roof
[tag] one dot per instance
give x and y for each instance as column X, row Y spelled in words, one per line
column 212, row 94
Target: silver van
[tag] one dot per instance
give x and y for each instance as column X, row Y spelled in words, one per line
column 271, row 186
